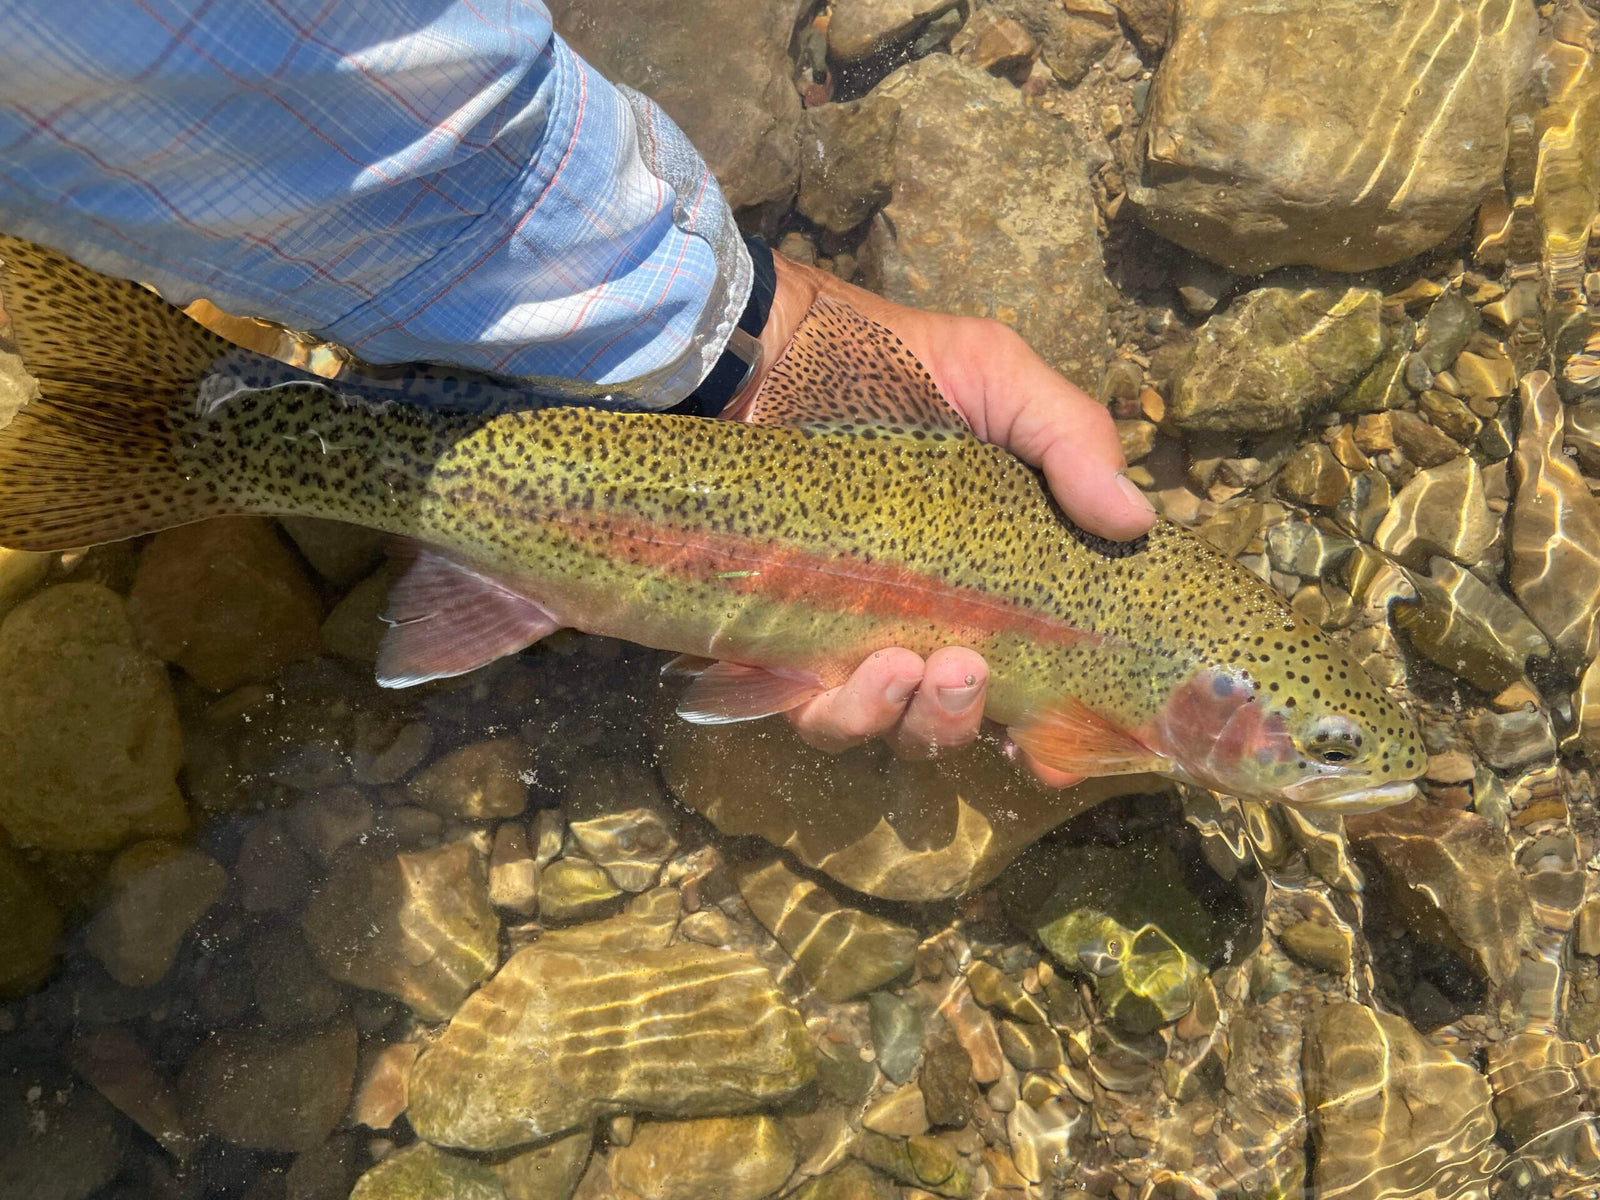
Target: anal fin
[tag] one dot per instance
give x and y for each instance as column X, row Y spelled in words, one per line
column 724, row 692
column 447, row 619
column 1070, row 736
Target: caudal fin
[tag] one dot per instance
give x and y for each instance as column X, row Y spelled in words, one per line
column 92, row 459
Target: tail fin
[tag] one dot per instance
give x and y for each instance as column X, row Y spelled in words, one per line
column 91, row 460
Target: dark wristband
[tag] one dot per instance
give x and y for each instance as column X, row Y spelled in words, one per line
column 733, row 368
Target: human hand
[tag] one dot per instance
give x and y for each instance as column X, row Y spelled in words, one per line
column 1011, row 397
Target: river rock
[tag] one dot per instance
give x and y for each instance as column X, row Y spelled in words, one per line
column 896, row 1035
column 573, row 888
column 1274, row 357
column 1442, row 510
column 1451, row 879
column 91, row 737
column 859, row 28
column 842, row 952
column 620, row 818
column 853, row 1180
column 1554, row 531
column 1391, row 1114
column 1469, row 627
column 990, row 214
column 21, row 572
column 112, row 1061
column 1511, row 740
column 339, row 552
column 227, row 601
column 424, row 1172
column 1422, row 444
column 478, row 782
column 158, row 891
column 742, row 116
column 1271, row 131
column 847, row 161
column 896, row 830
column 30, row 923
column 548, row 1172
column 1313, row 476
column 731, row 1158
column 557, row 1039
column 417, row 926
column 1072, row 37
column 1538, row 1093
column 57, row 1141
column 265, row 1091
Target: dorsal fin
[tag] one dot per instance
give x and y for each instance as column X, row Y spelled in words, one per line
column 842, row 370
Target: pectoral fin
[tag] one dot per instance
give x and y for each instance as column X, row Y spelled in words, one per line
column 724, row 692
column 446, row 619
column 1070, row 736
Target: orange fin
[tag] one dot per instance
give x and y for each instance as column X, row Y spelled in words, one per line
column 1072, row 737
column 724, row 692
column 841, row 370
column 446, row 619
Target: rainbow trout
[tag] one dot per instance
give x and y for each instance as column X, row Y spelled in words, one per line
column 858, row 513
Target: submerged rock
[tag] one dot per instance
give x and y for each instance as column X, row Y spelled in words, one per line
column 227, row 601
column 1273, row 132
column 479, row 782
column 847, row 161
column 424, row 1172
column 842, row 952
column 1442, row 511
column 91, row 737
column 158, row 891
column 859, row 28
column 990, row 213
column 1391, row 1114
column 731, row 1158
column 57, row 1141
column 270, row 1091
column 1275, row 356
column 1469, row 627
column 417, row 926
column 1554, row 531
column 30, row 923
column 557, row 1039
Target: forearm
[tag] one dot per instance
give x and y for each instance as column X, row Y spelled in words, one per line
column 413, row 182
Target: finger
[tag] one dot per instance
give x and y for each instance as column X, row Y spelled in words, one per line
column 1048, row 776
column 868, row 704
column 947, row 709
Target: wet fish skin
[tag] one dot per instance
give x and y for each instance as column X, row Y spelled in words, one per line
column 793, row 549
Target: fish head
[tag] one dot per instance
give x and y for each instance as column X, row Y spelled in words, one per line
column 1292, row 719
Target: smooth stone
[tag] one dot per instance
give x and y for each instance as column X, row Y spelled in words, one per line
column 227, row 601
column 290, row 987
column 89, row 725
column 1313, row 476
column 1420, row 442
column 896, row 830
column 1451, row 879
column 1072, row 36
column 847, row 161
column 899, row 1113
column 382, row 1090
column 1513, row 740
column 113, row 1062
column 1301, row 548
column 548, row 1172
column 268, row 1091
column 1446, row 330
column 1485, row 377
column 896, row 1035
column 853, row 1180
column 995, row 43
column 994, row 989
column 1443, row 510
column 30, row 924
column 1538, row 1093
column 1039, row 1138
column 743, row 116
column 57, row 1141
column 21, row 573
column 573, row 888
column 1321, row 947
column 975, row 227
column 1275, row 356
column 1390, row 1113
column 731, row 1158
column 859, row 28
column 274, row 873
column 339, row 552
column 1220, row 178
column 1233, row 526
column 1582, row 437
column 842, row 952
column 513, row 870
column 354, row 627
column 557, row 1039
column 1586, row 711
column 478, row 782
column 424, row 1172
column 327, row 821
column 158, row 891
column 649, row 922
column 1364, row 506
column 416, row 926
column 1468, row 627
column 926, row 1162
column 1030, row 1047
column 1554, row 531
column 621, row 820
column 328, row 1171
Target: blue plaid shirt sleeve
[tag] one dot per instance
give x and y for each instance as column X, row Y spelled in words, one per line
column 440, row 180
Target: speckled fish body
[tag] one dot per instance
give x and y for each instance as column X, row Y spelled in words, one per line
column 792, row 550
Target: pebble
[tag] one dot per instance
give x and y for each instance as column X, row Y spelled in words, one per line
column 853, row 1180
column 340, row 553
column 1365, row 504
column 846, row 161
column 896, row 1035
column 270, row 1091
column 1313, row 475
column 1322, row 947
column 159, row 890
column 731, row 1158
column 1512, row 740
column 571, row 889
column 382, row 1092
column 112, row 1061
column 997, row 44
column 1421, row 443
column 478, row 782
column 1451, row 321
column 424, row 1172
column 946, row 1080
column 1442, row 511
column 289, row 985
column 899, row 1113
column 925, row 1161
column 89, row 726
column 1450, row 415
column 620, row 818
column 513, row 873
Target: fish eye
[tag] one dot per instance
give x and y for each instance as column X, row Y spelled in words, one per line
column 1334, row 740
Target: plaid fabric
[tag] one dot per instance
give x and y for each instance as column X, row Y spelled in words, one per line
column 439, row 180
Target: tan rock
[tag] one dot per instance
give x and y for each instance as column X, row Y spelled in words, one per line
column 1374, row 433
column 573, row 888
column 731, row 1158
column 548, row 1172
column 842, row 952
column 1442, row 510
column 513, row 871
column 416, row 926
column 1469, row 627
column 995, row 42
column 91, row 737
column 1072, row 36
column 1335, row 195
column 30, row 923
column 227, row 601
column 354, row 627
column 270, row 1091
column 158, row 891
column 479, row 782
column 847, row 161
column 859, row 28
column 1313, row 475
column 1392, row 1114
column 899, row 1113
column 556, row 1039
column 620, row 818
column 1420, row 442
column 112, row 1061
column 340, row 553
column 382, row 1090
column 21, row 572
column 424, row 1172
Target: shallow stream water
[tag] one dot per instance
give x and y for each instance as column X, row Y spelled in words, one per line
column 269, row 931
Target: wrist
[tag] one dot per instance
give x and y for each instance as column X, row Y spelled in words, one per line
column 795, row 288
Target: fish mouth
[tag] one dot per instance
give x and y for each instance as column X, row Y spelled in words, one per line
column 1318, row 797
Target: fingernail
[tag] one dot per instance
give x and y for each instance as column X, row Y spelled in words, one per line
column 901, row 690
column 1130, row 489
column 958, row 699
